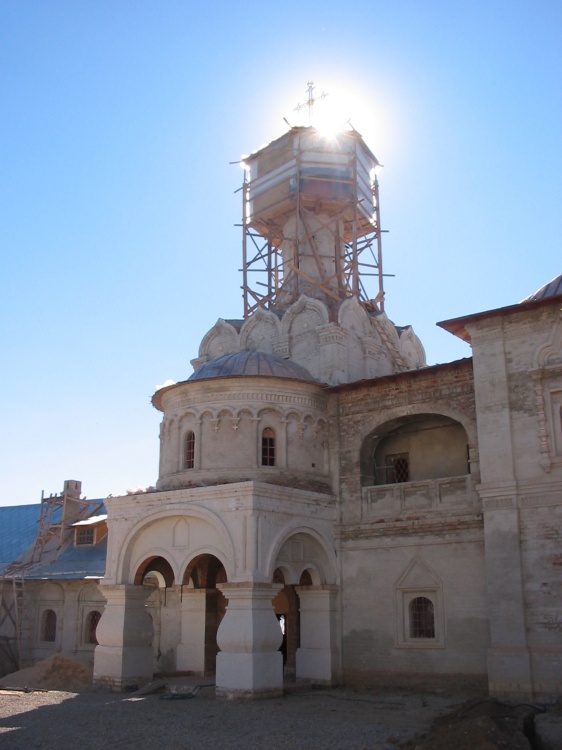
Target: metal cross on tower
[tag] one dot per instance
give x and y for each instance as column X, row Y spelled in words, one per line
column 310, row 101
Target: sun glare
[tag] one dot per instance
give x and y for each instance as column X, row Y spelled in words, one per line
column 329, row 128
column 340, row 105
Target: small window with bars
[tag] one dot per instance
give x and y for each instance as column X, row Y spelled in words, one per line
column 422, row 618
column 268, row 447
column 397, row 468
column 84, row 535
column 189, row 450
column 49, row 626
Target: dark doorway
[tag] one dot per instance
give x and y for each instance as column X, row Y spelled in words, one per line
column 204, row 572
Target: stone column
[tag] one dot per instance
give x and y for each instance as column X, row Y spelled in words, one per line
column 123, row 660
column 249, row 663
column 190, row 655
column 509, row 664
column 317, row 657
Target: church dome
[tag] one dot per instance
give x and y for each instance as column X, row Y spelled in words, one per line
column 241, row 364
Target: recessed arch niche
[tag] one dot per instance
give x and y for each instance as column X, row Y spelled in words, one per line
column 414, row 448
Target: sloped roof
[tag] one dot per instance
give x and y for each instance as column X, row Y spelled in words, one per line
column 543, row 296
column 18, row 531
column 19, row 525
column 251, row 363
column 74, row 563
column 552, row 289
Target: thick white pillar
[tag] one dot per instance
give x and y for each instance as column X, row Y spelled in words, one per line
column 317, row 657
column 123, row 660
column 190, row 655
column 509, row 661
column 249, row 663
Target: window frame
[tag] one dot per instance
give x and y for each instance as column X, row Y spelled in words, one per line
column 85, row 531
column 268, row 447
column 189, row 450
column 390, row 461
column 421, row 617
column 404, row 636
column 48, row 628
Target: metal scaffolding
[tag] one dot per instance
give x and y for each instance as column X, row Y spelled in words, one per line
column 56, row 514
column 296, row 189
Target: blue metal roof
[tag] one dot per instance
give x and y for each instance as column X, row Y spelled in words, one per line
column 19, row 525
column 18, row 531
column 75, row 563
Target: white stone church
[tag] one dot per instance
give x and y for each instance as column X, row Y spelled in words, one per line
column 328, row 507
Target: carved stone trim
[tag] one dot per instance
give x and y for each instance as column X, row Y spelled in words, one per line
column 412, row 527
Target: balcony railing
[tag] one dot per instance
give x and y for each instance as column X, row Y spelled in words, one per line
column 447, row 494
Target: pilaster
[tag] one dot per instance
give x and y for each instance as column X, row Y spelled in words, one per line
column 509, row 664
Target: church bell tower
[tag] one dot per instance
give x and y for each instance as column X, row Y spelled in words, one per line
column 311, row 222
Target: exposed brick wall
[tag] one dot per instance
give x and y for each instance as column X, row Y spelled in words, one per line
column 362, row 407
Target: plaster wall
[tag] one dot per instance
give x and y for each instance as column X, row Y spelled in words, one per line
column 517, row 359
column 382, row 575
column 228, row 418
column 434, row 450
column 72, row 602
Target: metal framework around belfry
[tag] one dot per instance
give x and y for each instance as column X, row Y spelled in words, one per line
column 267, row 275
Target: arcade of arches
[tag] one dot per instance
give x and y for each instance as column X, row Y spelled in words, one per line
column 182, row 633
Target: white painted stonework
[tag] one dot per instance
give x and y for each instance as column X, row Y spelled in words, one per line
column 328, row 537
column 330, row 509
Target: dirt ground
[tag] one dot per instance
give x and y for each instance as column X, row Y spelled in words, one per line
column 61, row 710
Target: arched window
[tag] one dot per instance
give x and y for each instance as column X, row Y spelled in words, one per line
column 268, row 447
column 91, row 625
column 189, row 450
column 422, row 618
column 49, row 626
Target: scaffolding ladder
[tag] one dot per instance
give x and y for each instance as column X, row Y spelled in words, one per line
column 14, row 620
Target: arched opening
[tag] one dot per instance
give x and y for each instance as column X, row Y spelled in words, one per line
column 155, row 569
column 415, row 448
column 421, row 617
column 49, row 626
column 203, row 573
column 308, row 600
column 91, row 625
column 156, row 574
column 286, row 606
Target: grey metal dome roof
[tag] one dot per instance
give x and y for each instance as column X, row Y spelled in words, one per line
column 552, row 289
column 251, row 363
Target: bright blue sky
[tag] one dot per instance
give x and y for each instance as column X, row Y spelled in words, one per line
column 118, row 204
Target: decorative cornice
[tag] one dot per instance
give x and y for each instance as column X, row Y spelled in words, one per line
column 410, row 527
column 244, row 398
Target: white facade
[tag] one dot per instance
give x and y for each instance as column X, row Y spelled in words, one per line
column 328, row 508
